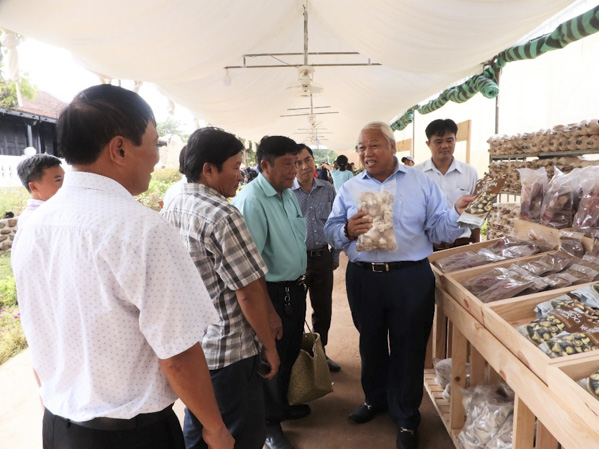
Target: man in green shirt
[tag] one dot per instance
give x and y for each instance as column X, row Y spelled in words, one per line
column 275, row 220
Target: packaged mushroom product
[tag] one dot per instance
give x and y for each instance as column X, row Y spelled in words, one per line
column 591, row 384
column 379, row 206
column 476, row 213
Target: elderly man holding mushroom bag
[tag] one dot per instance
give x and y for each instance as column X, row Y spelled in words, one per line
column 386, row 220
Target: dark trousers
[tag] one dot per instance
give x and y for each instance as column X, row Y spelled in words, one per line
column 393, row 312
column 60, row 433
column 288, row 347
column 320, row 286
column 240, row 399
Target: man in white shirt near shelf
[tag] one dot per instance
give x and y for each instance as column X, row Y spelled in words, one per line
column 454, row 178
column 112, row 305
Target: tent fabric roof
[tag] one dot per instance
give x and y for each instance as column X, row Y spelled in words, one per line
column 183, row 47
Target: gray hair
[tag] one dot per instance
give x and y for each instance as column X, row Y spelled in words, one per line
column 382, row 127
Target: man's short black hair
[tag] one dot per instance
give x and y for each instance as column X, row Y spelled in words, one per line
column 95, row 116
column 208, row 145
column 31, row 169
column 303, row 146
column 272, row 147
column 440, row 127
column 182, row 160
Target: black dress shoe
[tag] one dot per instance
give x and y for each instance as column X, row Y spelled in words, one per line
column 333, row 366
column 365, row 413
column 406, row 439
column 298, row 411
column 275, row 438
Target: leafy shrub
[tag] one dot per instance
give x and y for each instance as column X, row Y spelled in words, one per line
column 161, row 181
column 12, row 338
column 13, row 199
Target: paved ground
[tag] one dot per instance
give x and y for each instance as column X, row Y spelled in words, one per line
column 326, row 428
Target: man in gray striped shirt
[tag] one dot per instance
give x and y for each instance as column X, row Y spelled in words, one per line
column 315, row 198
column 241, row 346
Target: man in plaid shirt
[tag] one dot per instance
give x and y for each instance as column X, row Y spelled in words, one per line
column 241, row 346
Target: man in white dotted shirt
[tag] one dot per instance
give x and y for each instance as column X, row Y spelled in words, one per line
column 111, row 304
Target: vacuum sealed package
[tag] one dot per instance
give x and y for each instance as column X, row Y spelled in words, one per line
column 379, row 206
column 477, row 211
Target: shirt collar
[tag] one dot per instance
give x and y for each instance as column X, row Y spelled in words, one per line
column 455, row 165
column 266, row 187
column 93, row 181
column 197, row 187
column 315, row 184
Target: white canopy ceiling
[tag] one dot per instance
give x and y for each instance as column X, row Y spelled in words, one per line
column 184, row 45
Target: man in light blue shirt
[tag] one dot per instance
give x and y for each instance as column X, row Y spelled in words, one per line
column 391, row 293
column 278, row 228
column 454, row 178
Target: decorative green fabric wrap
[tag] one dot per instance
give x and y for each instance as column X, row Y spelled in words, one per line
column 486, row 83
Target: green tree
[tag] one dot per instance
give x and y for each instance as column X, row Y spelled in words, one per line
column 326, row 156
column 8, row 88
column 171, row 126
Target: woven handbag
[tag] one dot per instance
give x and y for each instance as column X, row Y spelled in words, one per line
column 310, row 376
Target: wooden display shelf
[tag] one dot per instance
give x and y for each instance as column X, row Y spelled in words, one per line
column 458, row 250
column 503, row 317
column 542, row 154
column 441, row 404
column 563, row 376
column 452, row 282
column 556, row 410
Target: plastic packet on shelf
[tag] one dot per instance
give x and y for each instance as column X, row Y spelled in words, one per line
column 503, row 438
column 571, row 242
column 591, row 384
column 585, row 274
column 542, row 329
column 538, row 283
column 589, row 295
column 534, row 185
column 442, row 371
column 485, row 281
column 587, row 214
column 543, row 308
column 467, row 259
column 566, row 344
column 511, row 283
column 379, row 206
column 560, row 280
column 477, row 211
column 487, row 408
column 561, row 199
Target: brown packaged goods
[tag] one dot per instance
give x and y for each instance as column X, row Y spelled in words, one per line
column 561, row 200
column 486, row 191
column 587, row 214
column 534, row 185
column 500, row 283
column 568, row 344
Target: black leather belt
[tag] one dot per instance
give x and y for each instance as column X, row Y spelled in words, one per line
column 317, row 252
column 301, row 281
column 141, row 420
column 382, row 267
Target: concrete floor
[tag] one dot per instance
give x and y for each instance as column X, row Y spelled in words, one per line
column 326, row 428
